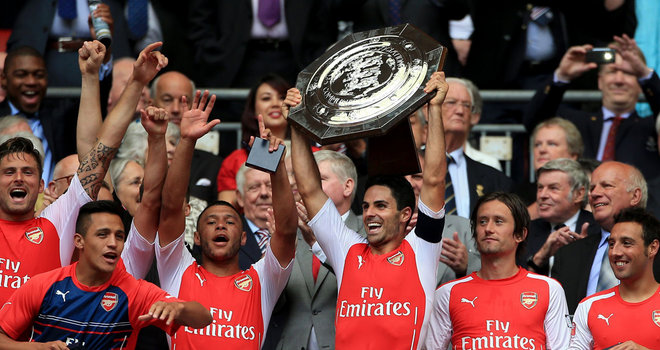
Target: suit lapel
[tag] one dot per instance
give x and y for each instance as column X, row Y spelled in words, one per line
column 304, row 257
column 251, row 247
column 472, row 181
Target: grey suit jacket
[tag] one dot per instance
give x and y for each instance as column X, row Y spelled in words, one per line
column 304, row 303
column 455, row 223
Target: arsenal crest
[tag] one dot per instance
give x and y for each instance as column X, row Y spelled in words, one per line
column 528, row 299
column 396, row 259
column 244, row 283
column 109, row 301
column 34, row 235
column 656, row 317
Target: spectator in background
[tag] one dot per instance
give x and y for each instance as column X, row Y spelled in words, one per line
column 468, row 180
column 57, row 29
column 167, row 91
column 265, row 99
column 25, row 79
column 561, row 195
column 3, row 92
column 582, row 267
column 616, row 132
column 237, row 43
column 552, row 139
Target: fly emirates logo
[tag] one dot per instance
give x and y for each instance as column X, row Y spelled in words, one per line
column 498, row 337
column 9, row 276
column 377, row 307
column 221, row 327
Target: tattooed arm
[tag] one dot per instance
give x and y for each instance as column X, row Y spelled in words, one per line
column 94, row 164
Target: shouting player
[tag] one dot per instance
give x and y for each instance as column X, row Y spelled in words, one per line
column 93, row 303
column 241, row 302
column 385, row 281
column 501, row 306
column 626, row 317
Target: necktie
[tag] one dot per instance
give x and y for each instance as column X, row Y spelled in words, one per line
column 316, row 265
column 541, row 15
column 610, row 145
column 394, row 11
column 606, row 278
column 137, row 18
column 67, row 9
column 263, row 237
column 557, row 227
column 450, row 202
column 269, row 12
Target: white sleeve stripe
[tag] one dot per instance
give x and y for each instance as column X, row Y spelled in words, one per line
column 430, row 213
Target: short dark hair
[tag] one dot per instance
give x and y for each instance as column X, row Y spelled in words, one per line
column 85, row 213
column 213, row 204
column 650, row 225
column 19, row 52
column 401, row 189
column 249, row 122
column 518, row 210
column 18, row 145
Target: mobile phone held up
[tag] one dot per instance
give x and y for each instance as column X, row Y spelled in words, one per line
column 601, row 55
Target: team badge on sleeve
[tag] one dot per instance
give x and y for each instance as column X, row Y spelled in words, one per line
column 109, row 301
column 244, row 283
column 396, row 259
column 34, row 235
column 529, row 299
column 656, row 317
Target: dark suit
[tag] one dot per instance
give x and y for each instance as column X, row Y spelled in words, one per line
column 540, row 229
column 203, row 174
column 483, row 179
column 250, row 252
column 32, row 28
column 221, row 30
column 58, row 119
column 432, row 17
column 305, row 303
column 636, row 138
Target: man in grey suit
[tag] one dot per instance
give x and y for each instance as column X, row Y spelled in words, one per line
column 459, row 253
column 305, row 314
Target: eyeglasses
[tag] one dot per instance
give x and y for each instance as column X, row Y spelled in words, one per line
column 68, row 178
column 451, row 104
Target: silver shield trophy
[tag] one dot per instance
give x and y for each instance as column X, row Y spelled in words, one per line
column 366, row 85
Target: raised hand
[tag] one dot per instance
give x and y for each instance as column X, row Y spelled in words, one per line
column 149, row 63
column 438, row 83
column 161, row 310
column 630, row 52
column 90, row 57
column 194, row 121
column 266, row 134
column 574, row 63
column 454, row 254
column 154, row 120
column 292, row 99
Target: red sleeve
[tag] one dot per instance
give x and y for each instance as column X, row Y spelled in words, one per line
column 146, row 294
column 227, row 175
column 18, row 313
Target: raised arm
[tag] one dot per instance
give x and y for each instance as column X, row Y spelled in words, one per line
column 305, row 169
column 432, row 193
column 90, row 58
column 283, row 240
column 94, row 164
column 154, row 120
column 193, row 126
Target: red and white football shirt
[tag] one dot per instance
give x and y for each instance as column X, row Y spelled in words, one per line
column 41, row 244
column 241, row 304
column 384, row 301
column 604, row 319
column 526, row 311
